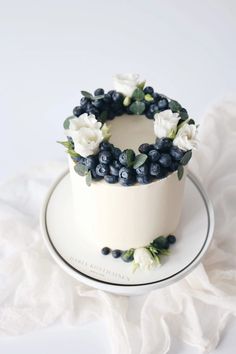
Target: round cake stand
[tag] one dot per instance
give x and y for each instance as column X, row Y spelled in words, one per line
column 84, row 261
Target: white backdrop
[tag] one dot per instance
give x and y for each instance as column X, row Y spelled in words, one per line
column 51, row 49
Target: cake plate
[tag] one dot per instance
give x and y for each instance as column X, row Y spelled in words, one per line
column 85, row 263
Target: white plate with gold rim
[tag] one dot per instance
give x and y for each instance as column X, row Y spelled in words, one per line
column 85, row 263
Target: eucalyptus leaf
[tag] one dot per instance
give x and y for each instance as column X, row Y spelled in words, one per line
column 81, row 169
column 87, row 94
column 99, row 97
column 174, row 106
column 138, row 94
column 88, row 179
column 185, row 159
column 129, row 156
column 183, row 114
column 137, row 107
column 103, row 116
column 139, row 160
column 180, row 172
column 141, row 85
column 67, row 144
column 66, row 123
column 72, row 153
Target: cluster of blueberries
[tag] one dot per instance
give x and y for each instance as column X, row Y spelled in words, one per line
column 160, row 243
column 113, row 165
column 111, row 103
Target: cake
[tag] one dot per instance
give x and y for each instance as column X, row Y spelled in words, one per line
column 128, row 152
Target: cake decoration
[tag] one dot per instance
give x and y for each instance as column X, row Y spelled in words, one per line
column 88, row 134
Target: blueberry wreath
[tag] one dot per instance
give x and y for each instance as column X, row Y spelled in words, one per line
column 96, row 158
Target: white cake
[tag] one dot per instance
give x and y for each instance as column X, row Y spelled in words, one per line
column 135, row 169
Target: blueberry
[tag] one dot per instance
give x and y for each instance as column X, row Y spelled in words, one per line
column 111, row 178
column 116, row 253
column 95, row 176
column 176, row 153
column 142, row 170
column 126, row 173
column 99, row 104
column 117, row 97
column 126, row 182
column 116, row 152
column 77, row 111
column 171, row 239
column 144, row 148
column 128, row 256
column 105, row 157
column 154, row 155
column 154, row 108
column 107, row 99
column 84, row 101
column 93, row 110
column 110, row 93
column 99, row 92
column 174, row 166
column 105, row 145
column 91, row 162
column 149, row 114
column 163, row 144
column 123, row 158
column 161, row 243
column 156, row 97
column 149, row 90
column 102, row 169
column 115, row 168
column 155, row 170
column 165, row 160
column 105, row 251
column 144, row 179
column 79, row 159
column 110, row 115
column 163, row 104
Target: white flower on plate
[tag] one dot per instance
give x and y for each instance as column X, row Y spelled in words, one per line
column 143, row 258
column 126, row 83
column 165, row 124
column 86, row 133
column 186, row 137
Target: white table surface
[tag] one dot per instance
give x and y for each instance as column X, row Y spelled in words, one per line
column 51, row 49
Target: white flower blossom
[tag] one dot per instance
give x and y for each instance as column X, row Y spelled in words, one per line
column 126, row 83
column 143, row 258
column 165, row 124
column 186, row 137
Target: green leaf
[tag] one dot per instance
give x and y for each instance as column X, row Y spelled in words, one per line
column 72, row 153
column 67, row 144
column 148, row 97
column 106, row 132
column 139, row 160
column 174, row 106
column 66, row 123
column 141, row 85
column 180, row 172
column 129, row 156
column 185, row 159
column 103, row 116
column 81, row 169
column 183, row 114
column 99, row 97
column 137, row 107
column 191, row 121
column 88, row 179
column 138, row 94
column 128, row 256
column 87, row 94
column 160, row 243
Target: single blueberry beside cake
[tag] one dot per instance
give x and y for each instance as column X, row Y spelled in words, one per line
column 128, row 151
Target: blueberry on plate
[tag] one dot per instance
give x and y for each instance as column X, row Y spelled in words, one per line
column 165, row 160
column 144, row 148
column 155, row 170
column 102, row 169
column 117, row 97
column 99, row 104
column 91, row 162
column 116, row 152
column 156, row 97
column 111, row 178
column 149, row 90
column 126, row 181
column 126, row 173
column 79, row 159
column 115, row 168
column 128, row 256
column 99, row 92
column 84, row 101
column 154, row 155
column 105, row 251
column 116, row 253
column 107, row 99
column 173, row 166
column 77, row 111
column 154, row 108
column 105, row 145
column 95, row 176
column 176, row 153
column 163, row 104
column 142, row 170
column 171, row 239
column 123, row 158
column 163, row 144
column 144, row 179
column 105, row 157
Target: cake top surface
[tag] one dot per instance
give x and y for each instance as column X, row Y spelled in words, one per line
column 131, row 134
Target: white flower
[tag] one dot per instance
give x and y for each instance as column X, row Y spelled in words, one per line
column 126, row 83
column 165, row 124
column 86, row 133
column 186, row 137
column 143, row 258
